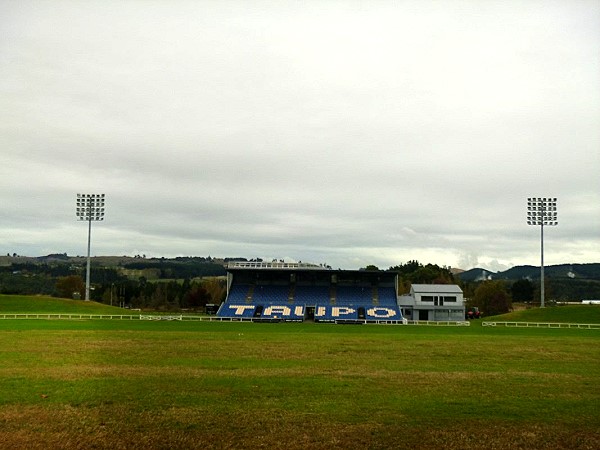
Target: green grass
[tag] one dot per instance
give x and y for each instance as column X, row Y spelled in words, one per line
column 24, row 304
column 114, row 384
column 554, row 314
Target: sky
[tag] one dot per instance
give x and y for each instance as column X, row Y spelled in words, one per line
column 349, row 133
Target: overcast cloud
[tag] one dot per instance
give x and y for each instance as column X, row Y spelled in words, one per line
column 339, row 132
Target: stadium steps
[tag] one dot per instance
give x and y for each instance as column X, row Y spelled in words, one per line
column 250, row 293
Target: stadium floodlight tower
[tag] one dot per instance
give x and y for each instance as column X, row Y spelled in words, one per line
column 90, row 207
column 542, row 212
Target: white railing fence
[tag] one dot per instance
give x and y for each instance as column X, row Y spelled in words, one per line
column 592, row 326
column 186, row 318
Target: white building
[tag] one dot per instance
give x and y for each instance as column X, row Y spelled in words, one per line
column 433, row 302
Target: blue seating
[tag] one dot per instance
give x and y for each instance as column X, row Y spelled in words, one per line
column 387, row 296
column 311, row 295
column 332, row 313
column 238, row 293
column 270, row 294
column 283, row 312
column 284, row 302
column 237, row 310
column 383, row 313
column 354, row 295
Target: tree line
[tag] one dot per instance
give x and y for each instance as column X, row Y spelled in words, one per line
column 172, row 295
column 193, row 290
column 191, row 283
column 491, row 297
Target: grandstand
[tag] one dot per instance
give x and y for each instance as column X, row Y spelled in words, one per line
column 297, row 292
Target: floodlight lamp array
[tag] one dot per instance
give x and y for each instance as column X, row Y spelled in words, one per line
column 542, row 211
column 90, row 207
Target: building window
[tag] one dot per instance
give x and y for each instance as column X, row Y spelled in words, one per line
column 426, row 298
column 449, row 299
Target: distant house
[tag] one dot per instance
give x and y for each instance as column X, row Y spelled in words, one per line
column 435, row 302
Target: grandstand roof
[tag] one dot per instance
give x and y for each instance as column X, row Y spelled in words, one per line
column 274, row 265
column 436, row 288
column 282, row 270
column 300, row 267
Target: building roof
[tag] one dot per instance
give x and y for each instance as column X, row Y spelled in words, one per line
column 282, row 272
column 436, row 288
column 254, row 265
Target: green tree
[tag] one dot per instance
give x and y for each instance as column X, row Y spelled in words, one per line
column 196, row 297
column 522, row 290
column 216, row 289
column 158, row 298
column 492, row 298
column 424, row 275
column 414, row 272
column 67, row 286
column 407, row 268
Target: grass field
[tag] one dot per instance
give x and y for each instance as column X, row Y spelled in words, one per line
column 23, row 304
column 557, row 314
column 128, row 385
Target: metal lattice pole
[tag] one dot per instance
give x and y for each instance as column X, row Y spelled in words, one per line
column 542, row 211
column 90, row 207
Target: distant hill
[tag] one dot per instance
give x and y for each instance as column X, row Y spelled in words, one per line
column 564, row 282
column 108, row 261
column 136, row 266
column 572, row 271
column 477, row 274
column 569, row 271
